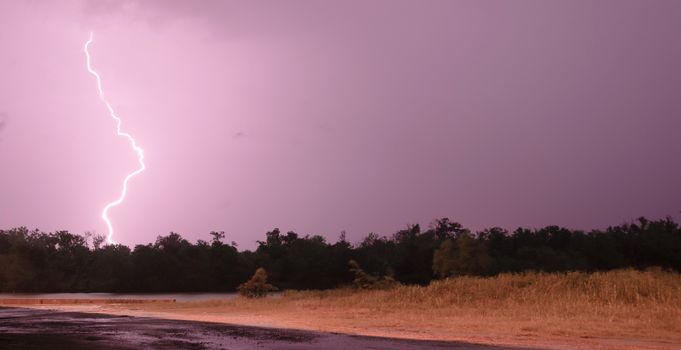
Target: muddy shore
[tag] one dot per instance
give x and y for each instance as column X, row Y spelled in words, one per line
column 29, row 329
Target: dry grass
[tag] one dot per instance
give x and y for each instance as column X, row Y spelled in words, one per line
column 609, row 310
column 621, row 288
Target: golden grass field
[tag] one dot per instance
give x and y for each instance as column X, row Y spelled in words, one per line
column 624, row 309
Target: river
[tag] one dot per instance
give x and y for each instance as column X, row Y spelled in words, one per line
column 176, row 296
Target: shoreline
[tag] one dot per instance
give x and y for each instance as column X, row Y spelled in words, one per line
column 34, row 329
column 624, row 309
column 72, row 301
column 369, row 328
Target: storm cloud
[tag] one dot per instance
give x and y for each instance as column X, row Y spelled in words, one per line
column 360, row 116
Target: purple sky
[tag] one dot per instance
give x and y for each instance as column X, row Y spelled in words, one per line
column 321, row 116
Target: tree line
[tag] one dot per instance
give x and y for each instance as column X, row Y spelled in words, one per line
column 36, row 261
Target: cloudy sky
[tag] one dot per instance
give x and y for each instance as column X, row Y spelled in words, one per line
column 322, row 116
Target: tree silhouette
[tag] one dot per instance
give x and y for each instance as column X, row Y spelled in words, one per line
column 36, row 261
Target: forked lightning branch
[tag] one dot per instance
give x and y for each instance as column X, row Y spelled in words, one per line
column 133, row 144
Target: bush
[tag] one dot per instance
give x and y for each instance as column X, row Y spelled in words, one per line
column 364, row 280
column 257, row 286
column 462, row 256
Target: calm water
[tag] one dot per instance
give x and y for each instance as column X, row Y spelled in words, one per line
column 176, row 296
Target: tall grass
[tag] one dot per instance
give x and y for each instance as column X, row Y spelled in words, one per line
column 612, row 288
column 621, row 303
column 618, row 288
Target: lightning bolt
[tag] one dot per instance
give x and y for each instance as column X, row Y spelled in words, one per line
column 135, row 147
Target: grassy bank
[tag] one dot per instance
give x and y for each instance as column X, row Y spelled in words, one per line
column 621, row 288
column 624, row 309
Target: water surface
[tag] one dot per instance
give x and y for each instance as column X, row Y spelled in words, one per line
column 176, row 296
column 30, row 329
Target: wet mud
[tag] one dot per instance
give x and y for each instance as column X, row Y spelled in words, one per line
column 31, row 329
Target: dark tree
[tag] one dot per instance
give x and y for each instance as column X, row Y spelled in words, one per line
column 36, row 261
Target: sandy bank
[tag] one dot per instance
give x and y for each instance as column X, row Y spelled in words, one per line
column 612, row 310
column 404, row 324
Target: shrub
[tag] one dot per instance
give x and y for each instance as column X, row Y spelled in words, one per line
column 257, row 286
column 364, row 280
column 462, row 256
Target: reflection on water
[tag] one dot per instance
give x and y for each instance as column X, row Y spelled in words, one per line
column 176, row 296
